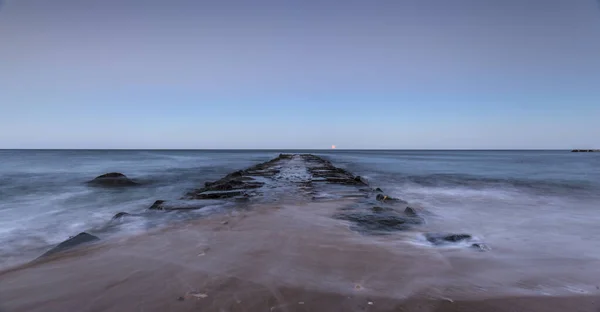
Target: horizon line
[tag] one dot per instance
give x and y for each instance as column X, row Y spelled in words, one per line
column 291, row 149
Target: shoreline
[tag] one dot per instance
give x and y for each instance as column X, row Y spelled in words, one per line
column 260, row 260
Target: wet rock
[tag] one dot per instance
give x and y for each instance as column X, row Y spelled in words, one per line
column 378, row 190
column 158, row 205
column 410, row 212
column 179, row 205
column 441, row 238
column 360, row 180
column 217, row 195
column 373, row 223
column 378, row 209
column 72, row 242
column 120, row 215
column 233, row 185
column 113, row 179
column 235, row 174
column 480, row 247
column 384, row 198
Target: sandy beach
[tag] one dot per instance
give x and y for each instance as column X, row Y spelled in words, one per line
column 283, row 257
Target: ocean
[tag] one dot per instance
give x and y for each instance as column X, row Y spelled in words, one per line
column 528, row 206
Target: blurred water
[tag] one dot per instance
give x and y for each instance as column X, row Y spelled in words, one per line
column 536, row 202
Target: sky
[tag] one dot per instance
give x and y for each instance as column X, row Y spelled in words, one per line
column 282, row 74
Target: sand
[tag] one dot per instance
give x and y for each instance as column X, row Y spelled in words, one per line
column 284, row 257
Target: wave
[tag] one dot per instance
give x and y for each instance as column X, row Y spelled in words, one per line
column 547, row 187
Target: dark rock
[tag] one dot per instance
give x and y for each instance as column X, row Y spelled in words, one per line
column 228, row 183
column 217, row 195
column 180, row 299
column 457, row 237
column 235, row 174
column 120, row 215
column 158, row 205
column 234, row 185
column 480, row 247
column 440, row 238
column 361, row 180
column 383, row 221
column 77, row 240
column 378, row 190
column 384, row 198
column 381, row 209
column 207, row 184
column 113, row 179
column 410, row 212
column 177, row 205
column 341, row 180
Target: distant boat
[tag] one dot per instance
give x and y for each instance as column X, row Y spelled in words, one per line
column 585, row 150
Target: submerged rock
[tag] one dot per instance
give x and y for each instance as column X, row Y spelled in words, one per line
column 120, row 215
column 378, row 219
column 378, row 190
column 442, row 238
column 480, row 247
column 158, row 205
column 410, row 212
column 77, row 240
column 113, row 179
column 378, row 209
column 179, row 205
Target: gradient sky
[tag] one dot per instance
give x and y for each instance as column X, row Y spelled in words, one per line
column 299, row 74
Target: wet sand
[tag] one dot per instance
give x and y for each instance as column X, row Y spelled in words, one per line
column 284, row 257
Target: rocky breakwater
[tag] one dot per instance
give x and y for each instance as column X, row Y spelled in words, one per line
column 302, row 179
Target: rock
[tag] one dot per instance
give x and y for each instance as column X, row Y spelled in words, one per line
column 439, row 238
column 217, row 195
column 410, row 212
column 457, row 237
column 235, row 174
column 374, row 223
column 231, row 182
column 480, row 247
column 378, row 190
column 233, row 185
column 361, row 180
column 178, row 205
column 158, row 205
column 120, row 215
column 384, row 198
column 207, row 184
column 381, row 209
column 113, row 179
column 77, row 240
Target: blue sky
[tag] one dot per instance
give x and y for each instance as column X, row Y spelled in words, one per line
column 299, row 74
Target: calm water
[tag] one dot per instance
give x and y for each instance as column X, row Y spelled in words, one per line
column 542, row 203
